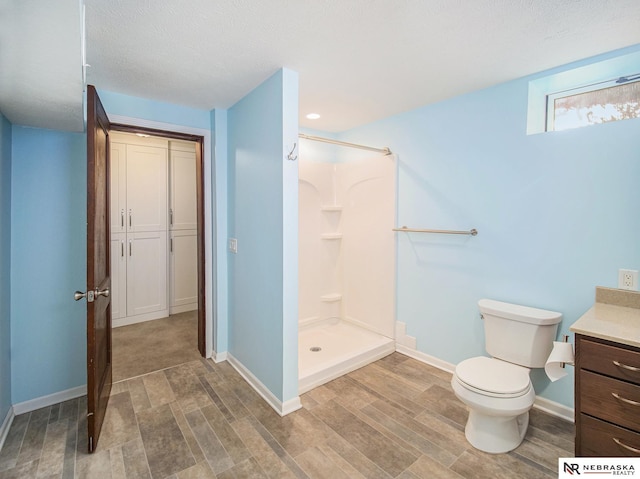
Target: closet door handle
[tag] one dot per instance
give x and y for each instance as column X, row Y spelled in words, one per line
column 170, row 217
column 130, row 215
column 129, row 247
column 122, row 219
column 171, row 245
column 122, row 249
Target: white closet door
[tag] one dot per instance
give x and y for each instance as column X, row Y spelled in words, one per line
column 146, row 188
column 183, row 189
column 184, row 267
column 118, row 276
column 118, row 179
column 146, row 272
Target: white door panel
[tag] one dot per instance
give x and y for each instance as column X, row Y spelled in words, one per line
column 183, row 190
column 147, row 201
column 184, row 279
column 146, row 272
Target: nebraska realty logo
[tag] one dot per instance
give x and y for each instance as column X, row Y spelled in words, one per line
column 602, row 466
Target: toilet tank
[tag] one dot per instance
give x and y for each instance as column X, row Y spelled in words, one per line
column 518, row 334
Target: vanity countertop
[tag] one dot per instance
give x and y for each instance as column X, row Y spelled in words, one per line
column 615, row 316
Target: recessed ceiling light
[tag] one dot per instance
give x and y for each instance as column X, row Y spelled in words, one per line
column 313, row 116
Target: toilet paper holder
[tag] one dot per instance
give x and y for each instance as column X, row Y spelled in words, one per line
column 565, row 339
column 561, row 355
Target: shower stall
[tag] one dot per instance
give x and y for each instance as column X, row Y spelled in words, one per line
column 346, row 304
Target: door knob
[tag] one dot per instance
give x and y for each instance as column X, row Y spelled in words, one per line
column 104, row 292
column 78, row 295
column 91, row 295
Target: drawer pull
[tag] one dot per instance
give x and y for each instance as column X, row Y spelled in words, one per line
column 628, row 368
column 628, row 448
column 625, row 400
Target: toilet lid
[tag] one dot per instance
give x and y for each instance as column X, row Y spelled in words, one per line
column 494, row 376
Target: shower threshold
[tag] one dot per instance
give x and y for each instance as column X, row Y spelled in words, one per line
column 331, row 348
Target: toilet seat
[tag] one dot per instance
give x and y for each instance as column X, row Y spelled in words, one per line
column 493, row 377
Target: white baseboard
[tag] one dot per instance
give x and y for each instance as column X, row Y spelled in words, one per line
column 555, row 409
column 282, row 408
column 140, row 318
column 183, row 308
column 6, row 425
column 543, row 404
column 219, row 357
column 425, row 358
column 49, row 400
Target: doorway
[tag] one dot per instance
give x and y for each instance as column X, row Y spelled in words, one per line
column 154, row 338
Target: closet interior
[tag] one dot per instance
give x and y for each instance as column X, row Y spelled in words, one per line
column 153, row 228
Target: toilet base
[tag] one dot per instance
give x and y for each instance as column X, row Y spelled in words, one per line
column 496, row 434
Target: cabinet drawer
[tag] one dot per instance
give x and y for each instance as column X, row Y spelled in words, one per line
column 598, row 398
column 599, row 438
column 610, row 360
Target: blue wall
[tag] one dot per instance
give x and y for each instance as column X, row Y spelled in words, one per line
column 260, row 276
column 5, row 267
column 290, row 140
column 555, row 211
column 215, row 122
column 48, row 256
column 220, row 155
column 131, row 106
column 556, row 214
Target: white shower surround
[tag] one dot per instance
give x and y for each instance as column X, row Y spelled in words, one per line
column 346, row 265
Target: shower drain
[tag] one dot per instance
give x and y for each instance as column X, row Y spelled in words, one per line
column 315, row 349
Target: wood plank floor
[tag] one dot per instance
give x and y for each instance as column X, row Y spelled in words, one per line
column 396, row 417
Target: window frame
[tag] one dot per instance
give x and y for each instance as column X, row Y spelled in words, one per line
column 552, row 97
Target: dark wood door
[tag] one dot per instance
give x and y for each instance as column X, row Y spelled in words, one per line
column 98, row 267
column 202, row 345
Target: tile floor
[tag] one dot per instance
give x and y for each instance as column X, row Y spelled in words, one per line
column 142, row 348
column 396, row 417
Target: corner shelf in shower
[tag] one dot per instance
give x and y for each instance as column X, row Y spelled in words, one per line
column 331, row 297
column 331, row 236
column 331, row 208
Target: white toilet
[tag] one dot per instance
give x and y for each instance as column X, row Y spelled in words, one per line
column 497, row 390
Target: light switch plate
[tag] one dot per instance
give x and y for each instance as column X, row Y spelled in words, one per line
column 233, row 245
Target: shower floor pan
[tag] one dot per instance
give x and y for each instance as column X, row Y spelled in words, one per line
column 331, row 348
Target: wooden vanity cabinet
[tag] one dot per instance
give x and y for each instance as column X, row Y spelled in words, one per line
column 607, row 398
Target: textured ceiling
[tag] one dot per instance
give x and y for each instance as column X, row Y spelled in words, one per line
column 358, row 60
column 41, row 63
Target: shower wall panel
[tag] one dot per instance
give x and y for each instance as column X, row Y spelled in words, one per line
column 319, row 255
column 368, row 189
column 346, row 242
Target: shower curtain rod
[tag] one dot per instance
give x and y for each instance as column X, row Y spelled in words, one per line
column 384, row 150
